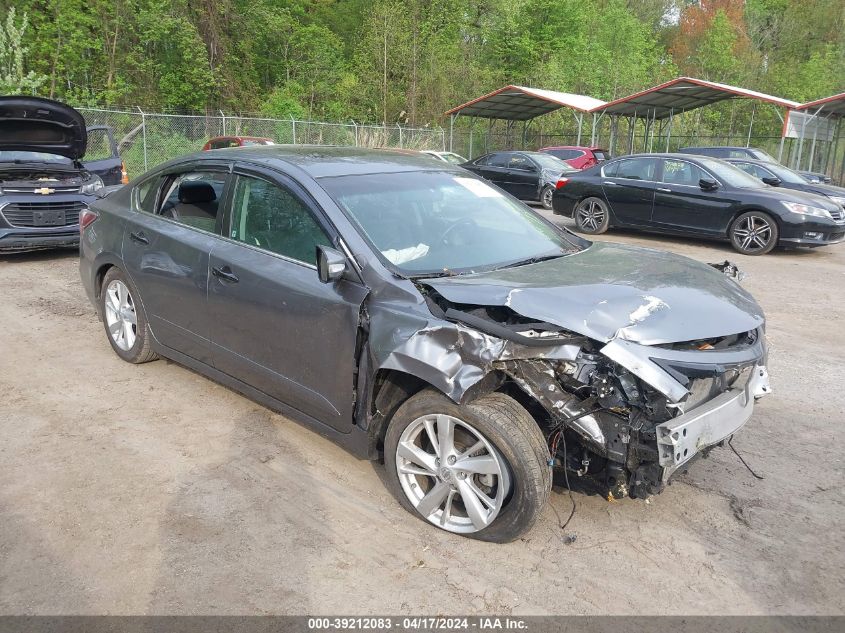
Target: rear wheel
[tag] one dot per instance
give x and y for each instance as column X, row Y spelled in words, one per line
column 124, row 319
column 480, row 470
column 592, row 216
column 546, row 196
column 754, row 233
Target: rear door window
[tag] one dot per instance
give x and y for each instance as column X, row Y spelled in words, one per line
column 194, row 198
column 521, row 162
column 273, row 218
column 637, row 169
column 501, row 159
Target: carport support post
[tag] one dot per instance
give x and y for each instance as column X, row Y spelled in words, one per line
column 669, row 128
column 451, row 130
column 471, row 128
column 293, row 129
column 223, row 116
column 632, row 123
column 580, row 119
column 144, row 134
column 783, row 120
column 751, row 125
column 593, row 134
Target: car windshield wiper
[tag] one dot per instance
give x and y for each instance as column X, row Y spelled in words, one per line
column 530, row 260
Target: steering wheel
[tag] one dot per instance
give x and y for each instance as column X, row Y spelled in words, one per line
column 450, row 229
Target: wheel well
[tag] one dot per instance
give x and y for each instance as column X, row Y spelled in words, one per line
column 98, row 278
column 758, row 210
column 393, row 387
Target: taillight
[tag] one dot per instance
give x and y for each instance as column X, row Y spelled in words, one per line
column 561, row 182
column 86, row 218
column 124, row 175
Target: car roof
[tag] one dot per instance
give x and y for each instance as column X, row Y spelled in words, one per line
column 320, row 161
column 755, row 161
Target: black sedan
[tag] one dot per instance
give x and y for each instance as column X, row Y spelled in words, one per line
column 697, row 196
column 777, row 175
column 529, row 176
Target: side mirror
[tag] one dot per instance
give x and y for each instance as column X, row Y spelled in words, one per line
column 708, row 185
column 331, row 264
column 771, row 180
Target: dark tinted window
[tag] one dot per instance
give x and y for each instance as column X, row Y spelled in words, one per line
column 610, row 170
column 680, row 172
column 565, row 154
column 193, row 199
column 99, row 145
column 754, row 170
column 601, row 155
column 271, row 217
column 483, row 160
column 521, row 162
column 501, row 159
column 637, row 168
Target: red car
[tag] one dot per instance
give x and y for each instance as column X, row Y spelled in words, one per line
column 219, row 142
column 578, row 157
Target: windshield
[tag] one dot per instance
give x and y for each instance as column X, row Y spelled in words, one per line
column 761, row 155
column 547, row 161
column 731, row 175
column 431, row 222
column 33, row 157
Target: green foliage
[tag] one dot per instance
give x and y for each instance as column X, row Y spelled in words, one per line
column 13, row 79
column 407, row 61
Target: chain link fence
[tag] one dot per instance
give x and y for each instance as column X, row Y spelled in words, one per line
column 145, row 140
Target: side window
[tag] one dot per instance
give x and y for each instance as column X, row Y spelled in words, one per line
column 520, row 162
column 754, row 170
column 680, row 172
column 484, row 160
column 637, row 169
column 270, row 217
column 565, row 154
column 145, row 194
column 193, row 199
column 610, row 170
column 99, row 145
column 501, row 159
column 737, row 153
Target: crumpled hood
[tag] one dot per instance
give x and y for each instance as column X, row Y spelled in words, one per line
column 32, row 124
column 610, row 291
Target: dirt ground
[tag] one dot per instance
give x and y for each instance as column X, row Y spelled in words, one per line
column 152, row 490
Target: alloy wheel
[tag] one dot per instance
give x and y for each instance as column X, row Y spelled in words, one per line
column 121, row 318
column 591, row 214
column 548, row 194
column 451, row 474
column 753, row 233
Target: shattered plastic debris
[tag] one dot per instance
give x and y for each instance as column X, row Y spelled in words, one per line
column 730, row 270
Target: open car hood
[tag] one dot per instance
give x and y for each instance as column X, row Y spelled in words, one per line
column 31, row 124
column 610, row 291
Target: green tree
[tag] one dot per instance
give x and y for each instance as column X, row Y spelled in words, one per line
column 13, row 78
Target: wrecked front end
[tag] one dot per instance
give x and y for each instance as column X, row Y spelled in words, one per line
column 623, row 414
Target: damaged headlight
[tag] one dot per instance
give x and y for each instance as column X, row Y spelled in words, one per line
column 806, row 209
column 92, row 186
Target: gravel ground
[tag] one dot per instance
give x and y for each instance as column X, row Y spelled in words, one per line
column 152, row 490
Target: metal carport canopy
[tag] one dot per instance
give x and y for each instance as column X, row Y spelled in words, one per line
column 518, row 103
column 830, row 106
column 680, row 95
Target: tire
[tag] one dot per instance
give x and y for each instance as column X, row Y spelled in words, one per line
column 546, row 196
column 592, row 216
column 508, row 439
column 124, row 319
column 753, row 233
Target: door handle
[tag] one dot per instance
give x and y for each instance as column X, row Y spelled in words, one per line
column 225, row 274
column 609, row 182
column 139, row 237
column 664, row 190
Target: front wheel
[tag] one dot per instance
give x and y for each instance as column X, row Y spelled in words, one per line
column 592, row 216
column 480, row 469
column 754, row 233
column 546, row 196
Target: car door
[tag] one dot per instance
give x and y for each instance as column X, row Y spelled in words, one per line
column 629, row 186
column 680, row 204
column 275, row 326
column 497, row 170
column 101, row 155
column 524, row 176
column 166, row 247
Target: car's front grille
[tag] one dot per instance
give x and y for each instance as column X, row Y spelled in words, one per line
column 42, row 214
column 838, row 215
column 836, row 236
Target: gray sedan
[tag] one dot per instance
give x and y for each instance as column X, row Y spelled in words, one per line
column 422, row 317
